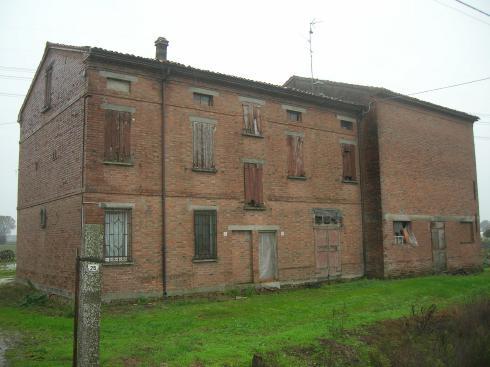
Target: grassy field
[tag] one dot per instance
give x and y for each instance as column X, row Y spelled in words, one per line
column 225, row 332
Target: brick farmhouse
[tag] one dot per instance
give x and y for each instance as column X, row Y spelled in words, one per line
column 205, row 182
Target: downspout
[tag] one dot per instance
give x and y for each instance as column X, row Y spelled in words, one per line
column 165, row 75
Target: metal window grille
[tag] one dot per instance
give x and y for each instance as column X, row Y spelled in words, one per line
column 117, row 235
column 205, row 234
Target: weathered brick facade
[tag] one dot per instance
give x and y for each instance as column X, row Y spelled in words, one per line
column 64, row 170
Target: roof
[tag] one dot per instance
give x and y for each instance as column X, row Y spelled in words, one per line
column 363, row 94
column 166, row 67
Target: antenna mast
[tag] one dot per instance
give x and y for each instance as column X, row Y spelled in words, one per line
column 312, row 23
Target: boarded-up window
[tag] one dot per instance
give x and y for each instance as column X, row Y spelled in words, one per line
column 118, row 85
column 349, row 162
column 48, row 87
column 118, row 136
column 205, row 234
column 295, row 156
column 203, row 146
column 348, row 125
column 253, row 184
column 252, row 121
column 467, row 233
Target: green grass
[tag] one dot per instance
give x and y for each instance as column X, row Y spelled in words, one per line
column 225, row 333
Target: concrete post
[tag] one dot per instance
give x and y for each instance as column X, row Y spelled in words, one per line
column 90, row 296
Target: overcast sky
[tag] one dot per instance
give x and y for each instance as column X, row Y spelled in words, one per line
column 406, row 46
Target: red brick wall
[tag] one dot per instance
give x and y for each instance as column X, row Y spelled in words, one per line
column 50, row 167
column 427, row 167
column 289, row 203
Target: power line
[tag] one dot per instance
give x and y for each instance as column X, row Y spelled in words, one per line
column 13, row 68
column 462, row 12
column 450, row 86
column 483, row 137
column 472, row 7
column 15, row 77
column 11, row 94
column 7, row 123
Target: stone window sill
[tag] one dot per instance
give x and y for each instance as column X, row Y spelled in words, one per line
column 259, row 208
column 205, row 170
column 301, row 178
column 352, row 182
column 204, row 260
column 118, row 263
column 253, row 135
column 116, row 163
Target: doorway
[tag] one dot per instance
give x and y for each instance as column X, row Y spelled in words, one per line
column 438, row 239
column 267, row 256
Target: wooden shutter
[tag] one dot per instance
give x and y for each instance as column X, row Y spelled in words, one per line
column 295, row 156
column 253, row 175
column 246, row 118
column 117, row 136
column 203, row 145
column 257, row 121
column 349, row 162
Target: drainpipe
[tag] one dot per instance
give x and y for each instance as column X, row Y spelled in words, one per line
column 165, row 75
column 361, row 184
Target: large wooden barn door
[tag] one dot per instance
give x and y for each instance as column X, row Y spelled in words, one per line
column 438, row 237
column 327, row 251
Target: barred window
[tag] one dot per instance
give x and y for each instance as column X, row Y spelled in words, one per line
column 117, row 241
column 205, row 234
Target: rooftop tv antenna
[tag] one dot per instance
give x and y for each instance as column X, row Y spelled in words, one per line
column 312, row 23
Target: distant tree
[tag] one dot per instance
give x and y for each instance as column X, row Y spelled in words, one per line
column 7, row 223
column 486, row 234
column 484, row 225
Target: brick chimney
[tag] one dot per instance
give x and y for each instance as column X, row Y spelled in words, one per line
column 161, row 45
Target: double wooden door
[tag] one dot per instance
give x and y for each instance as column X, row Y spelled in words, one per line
column 327, row 251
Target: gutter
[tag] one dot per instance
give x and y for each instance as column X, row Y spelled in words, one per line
column 165, row 74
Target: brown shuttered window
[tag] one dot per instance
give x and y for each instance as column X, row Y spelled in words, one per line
column 47, row 88
column 253, row 184
column 118, row 136
column 349, row 162
column 296, row 166
column 203, row 146
column 252, row 123
column 205, row 234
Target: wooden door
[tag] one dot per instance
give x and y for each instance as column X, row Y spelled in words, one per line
column 241, row 242
column 438, row 239
column 267, row 256
column 327, row 251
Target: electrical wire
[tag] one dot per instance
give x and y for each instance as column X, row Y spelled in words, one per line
column 4, row 94
column 472, row 7
column 450, row 86
column 21, row 70
column 15, row 77
column 462, row 12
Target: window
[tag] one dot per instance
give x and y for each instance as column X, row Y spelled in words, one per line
column 403, row 233
column 294, row 116
column 205, row 234
column 252, row 122
column 203, row 146
column 203, row 99
column 349, row 162
column 253, row 185
column 43, row 218
column 118, row 85
column 348, row 125
column 327, row 216
column 467, row 233
column 117, row 235
column 47, row 88
column 118, row 136
column 295, row 156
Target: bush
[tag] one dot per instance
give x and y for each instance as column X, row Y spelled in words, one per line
column 7, row 256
